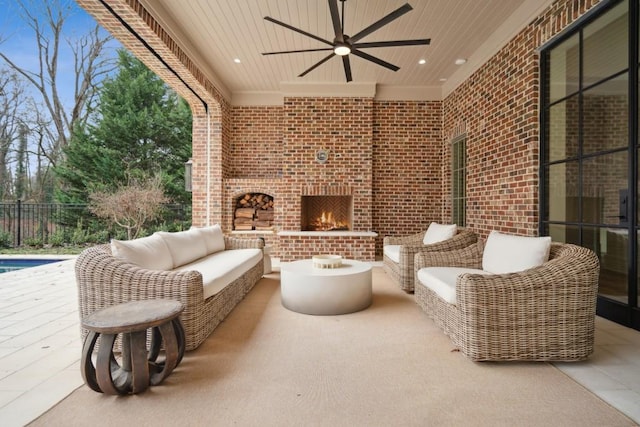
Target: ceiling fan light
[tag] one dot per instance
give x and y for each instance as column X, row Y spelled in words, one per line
column 342, row 50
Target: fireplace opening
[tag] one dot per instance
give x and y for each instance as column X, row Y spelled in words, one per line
column 253, row 211
column 326, row 213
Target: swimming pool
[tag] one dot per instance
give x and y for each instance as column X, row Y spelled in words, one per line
column 13, row 264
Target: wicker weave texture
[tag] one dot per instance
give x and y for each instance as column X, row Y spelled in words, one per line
column 546, row 313
column 403, row 272
column 104, row 280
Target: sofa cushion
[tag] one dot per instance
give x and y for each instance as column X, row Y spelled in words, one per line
column 184, row 246
column 442, row 280
column 147, row 252
column 392, row 252
column 221, row 268
column 213, row 238
column 506, row 253
column 439, row 232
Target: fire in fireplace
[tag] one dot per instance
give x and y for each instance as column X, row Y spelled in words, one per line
column 326, row 213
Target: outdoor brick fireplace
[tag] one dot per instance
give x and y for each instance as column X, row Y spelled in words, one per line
column 326, row 213
column 324, row 205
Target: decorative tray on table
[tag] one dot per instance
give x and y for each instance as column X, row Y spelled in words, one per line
column 327, row 261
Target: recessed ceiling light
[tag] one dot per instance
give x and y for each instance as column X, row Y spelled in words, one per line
column 422, row 61
column 236, row 60
column 443, row 79
column 460, row 61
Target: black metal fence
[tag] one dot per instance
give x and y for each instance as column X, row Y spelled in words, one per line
column 28, row 223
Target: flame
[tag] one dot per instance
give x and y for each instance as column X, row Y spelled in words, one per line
column 326, row 222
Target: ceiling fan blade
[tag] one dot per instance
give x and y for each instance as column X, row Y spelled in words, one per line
column 347, row 67
column 393, row 43
column 297, row 30
column 316, row 65
column 335, row 19
column 382, row 22
column 375, row 60
column 298, row 51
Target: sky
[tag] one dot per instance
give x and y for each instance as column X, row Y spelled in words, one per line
column 17, row 39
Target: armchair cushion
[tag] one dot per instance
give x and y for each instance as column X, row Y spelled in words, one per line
column 392, row 251
column 439, row 232
column 442, row 280
column 149, row 252
column 505, row 253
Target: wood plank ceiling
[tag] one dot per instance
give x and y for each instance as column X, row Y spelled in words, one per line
column 215, row 32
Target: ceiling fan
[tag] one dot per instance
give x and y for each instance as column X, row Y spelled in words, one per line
column 343, row 45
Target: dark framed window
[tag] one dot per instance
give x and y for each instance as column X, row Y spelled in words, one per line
column 459, row 180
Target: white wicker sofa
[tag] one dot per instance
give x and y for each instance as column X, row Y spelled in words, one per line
column 206, row 271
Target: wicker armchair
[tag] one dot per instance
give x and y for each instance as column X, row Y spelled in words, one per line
column 104, row 280
column 546, row 313
column 402, row 272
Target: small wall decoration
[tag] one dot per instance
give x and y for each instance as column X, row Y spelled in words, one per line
column 322, row 156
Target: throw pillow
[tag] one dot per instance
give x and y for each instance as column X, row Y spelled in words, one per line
column 147, row 252
column 439, row 232
column 213, row 238
column 506, row 253
column 184, row 246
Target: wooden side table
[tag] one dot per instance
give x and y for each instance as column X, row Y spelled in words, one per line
column 140, row 367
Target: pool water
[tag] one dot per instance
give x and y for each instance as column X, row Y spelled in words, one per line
column 7, row 265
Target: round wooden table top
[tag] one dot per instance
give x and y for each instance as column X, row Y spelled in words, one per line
column 133, row 316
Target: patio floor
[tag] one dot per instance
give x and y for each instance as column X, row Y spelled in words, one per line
column 40, row 348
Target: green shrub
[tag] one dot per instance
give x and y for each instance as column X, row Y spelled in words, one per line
column 57, row 238
column 35, row 242
column 101, row 236
column 6, row 240
column 79, row 236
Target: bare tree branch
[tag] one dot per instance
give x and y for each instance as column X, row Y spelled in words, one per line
column 55, row 121
column 130, row 206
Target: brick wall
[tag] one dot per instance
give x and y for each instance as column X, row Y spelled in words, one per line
column 293, row 248
column 498, row 107
column 343, row 127
column 407, row 167
column 255, row 148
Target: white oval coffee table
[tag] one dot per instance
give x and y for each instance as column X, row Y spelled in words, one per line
column 325, row 291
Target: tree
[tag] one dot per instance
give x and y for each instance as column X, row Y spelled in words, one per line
column 141, row 128
column 21, row 180
column 54, row 120
column 130, row 206
column 11, row 97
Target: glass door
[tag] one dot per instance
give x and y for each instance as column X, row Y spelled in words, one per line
column 589, row 151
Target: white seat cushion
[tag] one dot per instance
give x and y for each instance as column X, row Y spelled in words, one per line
column 442, row 280
column 506, row 253
column 439, row 233
column 184, row 246
column 221, row 268
column 147, row 252
column 213, row 238
column 393, row 252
